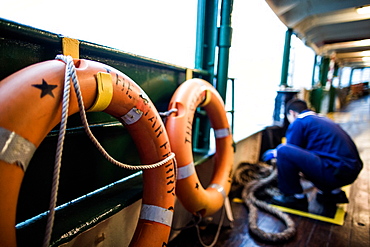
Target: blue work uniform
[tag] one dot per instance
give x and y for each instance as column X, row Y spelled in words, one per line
column 321, row 150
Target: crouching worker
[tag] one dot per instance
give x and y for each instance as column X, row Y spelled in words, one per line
column 319, row 149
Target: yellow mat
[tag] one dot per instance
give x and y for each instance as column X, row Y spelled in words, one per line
column 338, row 218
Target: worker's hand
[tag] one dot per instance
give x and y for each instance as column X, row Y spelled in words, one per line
column 269, row 155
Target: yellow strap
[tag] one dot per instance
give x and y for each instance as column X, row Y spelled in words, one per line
column 105, row 92
column 71, row 47
column 188, row 74
column 207, row 99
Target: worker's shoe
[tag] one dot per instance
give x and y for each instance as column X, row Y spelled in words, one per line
column 291, row 202
column 325, row 198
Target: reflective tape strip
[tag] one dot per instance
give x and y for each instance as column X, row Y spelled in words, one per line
column 221, row 133
column 104, row 92
column 185, row 171
column 219, row 188
column 15, row 149
column 156, row 214
column 132, row 116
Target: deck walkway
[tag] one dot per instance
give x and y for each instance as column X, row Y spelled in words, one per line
column 355, row 232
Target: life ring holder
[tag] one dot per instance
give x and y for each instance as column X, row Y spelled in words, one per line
column 189, row 95
column 23, row 126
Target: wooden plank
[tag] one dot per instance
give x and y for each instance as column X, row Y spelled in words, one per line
column 305, row 230
column 360, row 228
column 360, row 235
column 321, row 234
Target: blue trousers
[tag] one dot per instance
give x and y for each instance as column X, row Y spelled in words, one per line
column 291, row 160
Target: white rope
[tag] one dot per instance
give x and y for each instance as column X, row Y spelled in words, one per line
column 58, row 155
column 217, row 233
column 70, row 72
column 167, row 113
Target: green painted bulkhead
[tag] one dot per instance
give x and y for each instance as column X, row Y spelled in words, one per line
column 88, row 182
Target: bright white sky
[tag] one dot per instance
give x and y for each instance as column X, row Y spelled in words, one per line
column 157, row 29
column 165, row 30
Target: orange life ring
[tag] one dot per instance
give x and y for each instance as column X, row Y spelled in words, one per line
column 30, row 106
column 191, row 94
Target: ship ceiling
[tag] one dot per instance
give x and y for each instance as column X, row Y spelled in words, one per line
column 335, row 28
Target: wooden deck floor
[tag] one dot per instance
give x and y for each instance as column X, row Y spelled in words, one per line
column 355, row 232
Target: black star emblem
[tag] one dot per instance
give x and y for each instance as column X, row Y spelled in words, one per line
column 45, row 88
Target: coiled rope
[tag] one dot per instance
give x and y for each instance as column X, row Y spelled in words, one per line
column 250, row 187
column 70, row 72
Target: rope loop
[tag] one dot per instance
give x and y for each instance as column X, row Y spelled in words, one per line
column 197, row 219
column 250, row 187
column 214, row 242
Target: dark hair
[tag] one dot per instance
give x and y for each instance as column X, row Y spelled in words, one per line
column 296, row 105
